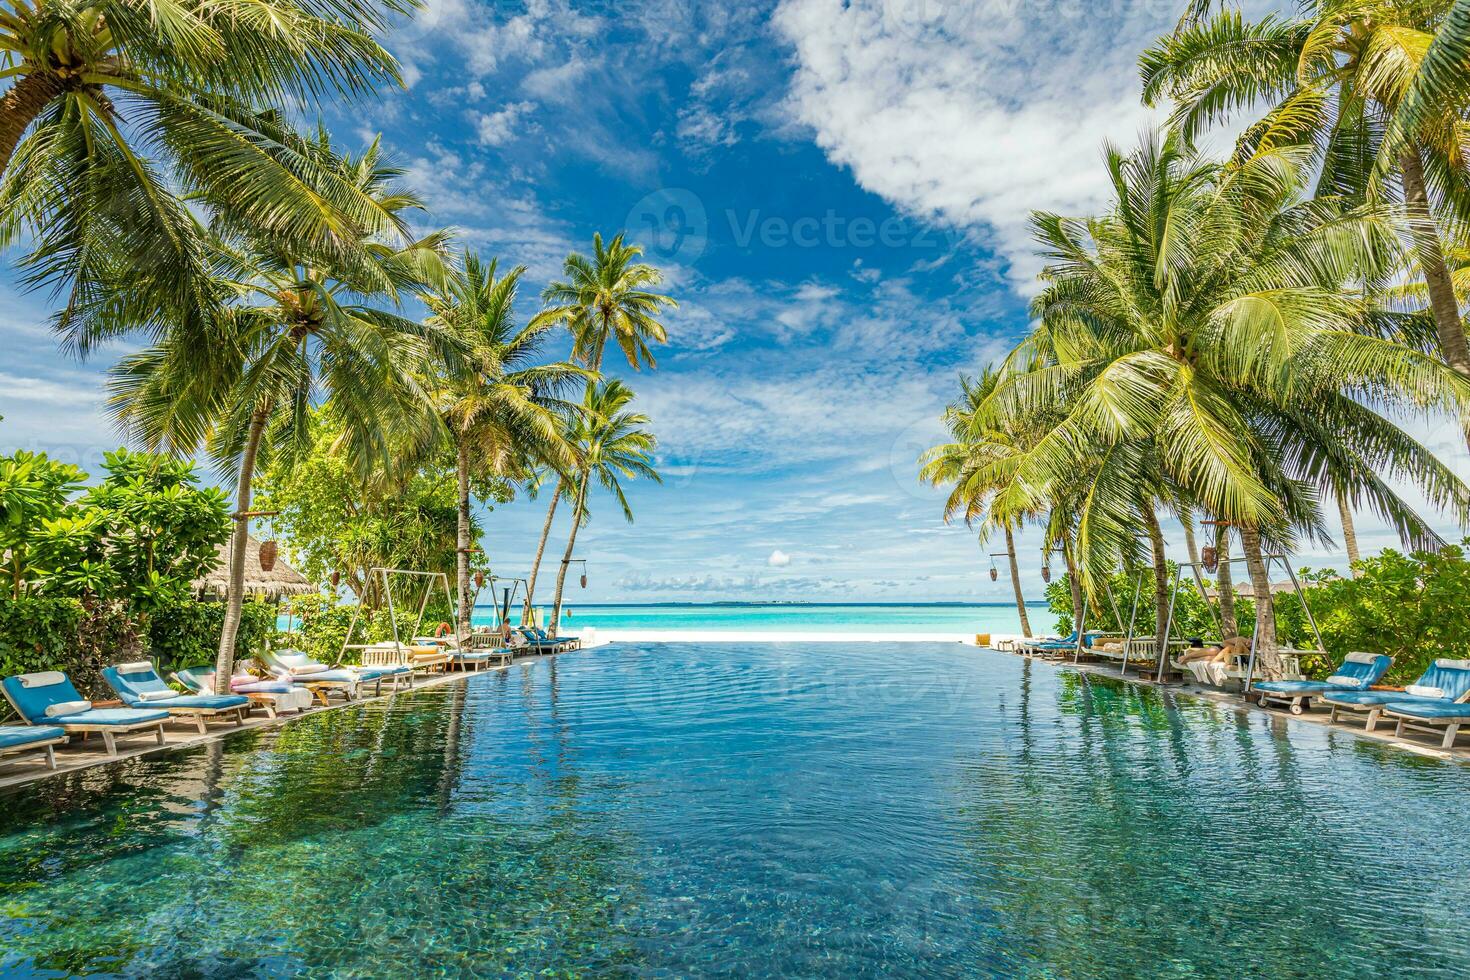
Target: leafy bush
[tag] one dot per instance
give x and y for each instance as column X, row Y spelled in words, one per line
column 186, row 634
column 60, row 633
column 322, row 623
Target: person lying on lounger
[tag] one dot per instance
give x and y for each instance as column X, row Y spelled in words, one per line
column 1236, row 646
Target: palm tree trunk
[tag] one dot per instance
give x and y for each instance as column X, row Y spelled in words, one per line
column 462, row 542
column 1161, row 578
column 20, row 106
column 1225, row 584
column 1349, row 532
column 1016, row 584
column 561, row 573
column 1255, row 563
column 1074, row 580
column 1430, row 252
column 540, row 550
column 224, row 664
column 1186, row 521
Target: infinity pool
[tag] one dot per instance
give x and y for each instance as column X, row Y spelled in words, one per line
column 765, row 809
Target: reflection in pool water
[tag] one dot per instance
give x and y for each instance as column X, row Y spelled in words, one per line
column 798, row 809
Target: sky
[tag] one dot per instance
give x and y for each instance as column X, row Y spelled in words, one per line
column 837, row 194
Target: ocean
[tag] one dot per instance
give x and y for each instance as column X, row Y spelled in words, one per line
column 813, row 617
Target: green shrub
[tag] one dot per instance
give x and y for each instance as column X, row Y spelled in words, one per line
column 321, row 624
column 56, row 633
column 186, row 634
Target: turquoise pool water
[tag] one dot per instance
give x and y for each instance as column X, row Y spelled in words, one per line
column 1000, row 618
column 812, row 810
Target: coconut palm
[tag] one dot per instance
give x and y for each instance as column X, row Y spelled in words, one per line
column 284, row 330
column 973, row 464
column 115, row 106
column 1336, row 77
column 612, row 444
column 605, row 298
column 501, row 406
column 1187, row 336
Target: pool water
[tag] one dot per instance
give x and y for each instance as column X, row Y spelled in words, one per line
column 787, row 809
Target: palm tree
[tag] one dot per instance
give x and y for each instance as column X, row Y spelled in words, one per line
column 974, row 465
column 607, row 297
column 1336, row 78
column 1197, row 346
column 500, row 405
column 244, row 374
column 611, row 443
column 113, row 107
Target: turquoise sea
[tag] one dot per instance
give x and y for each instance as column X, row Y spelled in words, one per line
column 751, row 810
column 811, row 617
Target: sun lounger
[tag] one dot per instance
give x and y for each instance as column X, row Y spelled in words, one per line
column 1445, row 682
column 1358, row 672
column 273, row 696
column 315, row 676
column 139, row 686
column 16, row 739
column 47, row 698
column 466, row 658
column 539, row 637
column 1429, row 717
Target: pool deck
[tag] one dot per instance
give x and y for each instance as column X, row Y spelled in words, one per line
column 85, row 753
column 1419, row 743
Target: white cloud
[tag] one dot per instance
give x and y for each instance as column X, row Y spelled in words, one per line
column 974, row 113
column 496, row 128
column 778, row 559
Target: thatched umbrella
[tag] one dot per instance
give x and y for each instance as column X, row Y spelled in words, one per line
column 281, row 580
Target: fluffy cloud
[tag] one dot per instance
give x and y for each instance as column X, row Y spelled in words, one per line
column 972, row 113
column 778, row 559
column 496, row 128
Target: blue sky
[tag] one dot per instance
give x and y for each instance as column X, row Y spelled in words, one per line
column 837, row 193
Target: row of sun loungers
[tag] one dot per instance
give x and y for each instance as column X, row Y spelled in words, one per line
column 53, row 710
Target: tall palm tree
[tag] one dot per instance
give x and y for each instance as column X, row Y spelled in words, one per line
column 1336, row 77
column 114, row 106
column 612, row 444
column 1193, row 339
column 244, row 374
column 973, row 464
column 607, row 297
column 500, row 405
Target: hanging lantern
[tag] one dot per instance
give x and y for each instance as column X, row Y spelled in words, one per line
column 994, row 573
column 584, row 578
column 335, row 578
column 1210, row 558
column 479, row 580
column 267, row 555
column 1046, row 573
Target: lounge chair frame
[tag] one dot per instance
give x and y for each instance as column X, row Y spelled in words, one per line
column 46, row 746
column 201, row 714
column 110, row 733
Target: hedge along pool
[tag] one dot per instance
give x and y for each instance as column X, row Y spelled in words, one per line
column 765, row 808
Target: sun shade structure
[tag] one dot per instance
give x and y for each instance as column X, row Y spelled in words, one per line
column 281, row 580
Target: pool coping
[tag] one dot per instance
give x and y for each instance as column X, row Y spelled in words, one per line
column 23, row 769
column 1316, row 715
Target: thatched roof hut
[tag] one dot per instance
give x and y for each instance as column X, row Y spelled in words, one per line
column 281, row 580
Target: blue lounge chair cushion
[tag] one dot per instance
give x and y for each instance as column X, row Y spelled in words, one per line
column 1450, row 676
column 329, row 677
column 1356, row 673
column 32, row 694
column 373, row 673
column 139, row 686
column 1429, row 708
column 15, row 735
column 111, row 716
